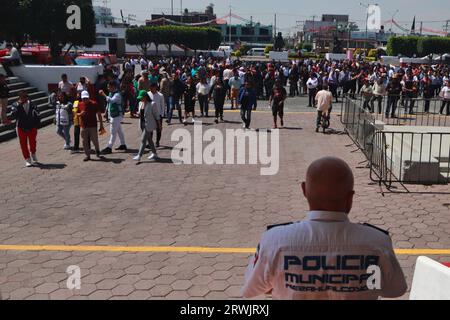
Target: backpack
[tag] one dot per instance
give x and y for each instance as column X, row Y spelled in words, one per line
column 62, row 115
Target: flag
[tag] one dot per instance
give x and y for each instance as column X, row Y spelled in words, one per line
column 413, row 28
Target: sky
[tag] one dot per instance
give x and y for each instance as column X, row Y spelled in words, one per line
column 291, row 13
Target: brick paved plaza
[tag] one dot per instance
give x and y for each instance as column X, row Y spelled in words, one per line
column 118, row 203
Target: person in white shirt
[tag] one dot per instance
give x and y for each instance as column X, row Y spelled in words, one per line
column 235, row 85
column 203, row 91
column 227, row 75
column 312, row 85
column 325, row 256
column 144, row 64
column 65, row 85
column 445, row 95
column 158, row 98
column 324, row 100
column 12, row 59
column 83, row 85
column 242, row 74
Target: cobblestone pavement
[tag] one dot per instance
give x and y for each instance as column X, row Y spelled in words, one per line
column 119, row 203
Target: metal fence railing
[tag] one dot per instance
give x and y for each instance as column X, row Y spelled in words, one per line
column 409, row 112
column 419, row 154
column 410, row 157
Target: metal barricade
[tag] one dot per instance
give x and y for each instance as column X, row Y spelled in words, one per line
column 418, row 155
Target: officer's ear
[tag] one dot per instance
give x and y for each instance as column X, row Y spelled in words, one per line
column 304, row 188
column 350, row 201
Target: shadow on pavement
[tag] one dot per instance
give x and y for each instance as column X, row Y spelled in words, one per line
column 51, row 166
column 109, row 160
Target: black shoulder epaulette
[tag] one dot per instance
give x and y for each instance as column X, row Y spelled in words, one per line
column 375, row 227
column 279, row 225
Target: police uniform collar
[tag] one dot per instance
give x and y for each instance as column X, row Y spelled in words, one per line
column 327, row 216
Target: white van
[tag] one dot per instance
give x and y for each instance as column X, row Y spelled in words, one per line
column 227, row 50
column 258, row 52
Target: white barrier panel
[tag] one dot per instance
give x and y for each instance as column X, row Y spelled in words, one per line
column 336, row 56
column 431, row 281
column 279, row 56
column 40, row 76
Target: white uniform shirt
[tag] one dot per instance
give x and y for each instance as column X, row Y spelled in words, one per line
column 445, row 93
column 158, row 99
column 227, row 74
column 324, row 100
column 203, row 88
column 323, row 257
column 312, row 83
column 65, row 87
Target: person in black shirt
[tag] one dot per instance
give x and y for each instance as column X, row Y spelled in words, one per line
column 427, row 92
column 27, row 119
column 190, row 96
column 394, row 88
column 276, row 100
column 219, row 93
column 4, row 94
column 176, row 93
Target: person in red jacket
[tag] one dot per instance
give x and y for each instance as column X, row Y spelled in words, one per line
column 28, row 121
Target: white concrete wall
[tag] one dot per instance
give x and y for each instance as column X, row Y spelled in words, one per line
column 431, row 281
column 41, row 76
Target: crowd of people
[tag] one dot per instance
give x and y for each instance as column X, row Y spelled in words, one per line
column 176, row 82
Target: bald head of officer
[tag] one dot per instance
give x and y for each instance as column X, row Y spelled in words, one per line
column 329, row 185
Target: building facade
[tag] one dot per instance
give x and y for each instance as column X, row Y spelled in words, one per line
column 206, row 17
column 250, row 34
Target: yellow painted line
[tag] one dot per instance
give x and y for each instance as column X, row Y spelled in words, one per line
column 424, row 252
column 124, row 249
column 412, row 252
column 268, row 111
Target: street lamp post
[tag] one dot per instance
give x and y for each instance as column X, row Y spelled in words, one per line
column 367, row 18
column 367, row 6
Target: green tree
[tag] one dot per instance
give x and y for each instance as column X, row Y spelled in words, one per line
column 15, row 25
column 189, row 37
column 214, row 38
column 268, row 49
column 141, row 37
column 49, row 25
column 433, row 45
column 307, row 46
column 404, row 45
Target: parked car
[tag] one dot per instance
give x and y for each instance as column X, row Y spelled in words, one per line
column 258, row 52
column 95, row 59
column 39, row 54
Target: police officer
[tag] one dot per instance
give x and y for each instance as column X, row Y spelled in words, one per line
column 325, row 256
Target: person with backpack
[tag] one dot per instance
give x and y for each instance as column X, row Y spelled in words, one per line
column 26, row 114
column 150, row 122
column 64, row 118
column 116, row 114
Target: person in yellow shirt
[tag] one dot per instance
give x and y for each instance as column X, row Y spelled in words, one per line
column 76, row 126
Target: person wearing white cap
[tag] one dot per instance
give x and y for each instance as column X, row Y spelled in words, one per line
column 89, row 112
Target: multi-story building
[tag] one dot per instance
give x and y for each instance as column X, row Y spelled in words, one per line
column 323, row 33
column 207, row 17
column 252, row 34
